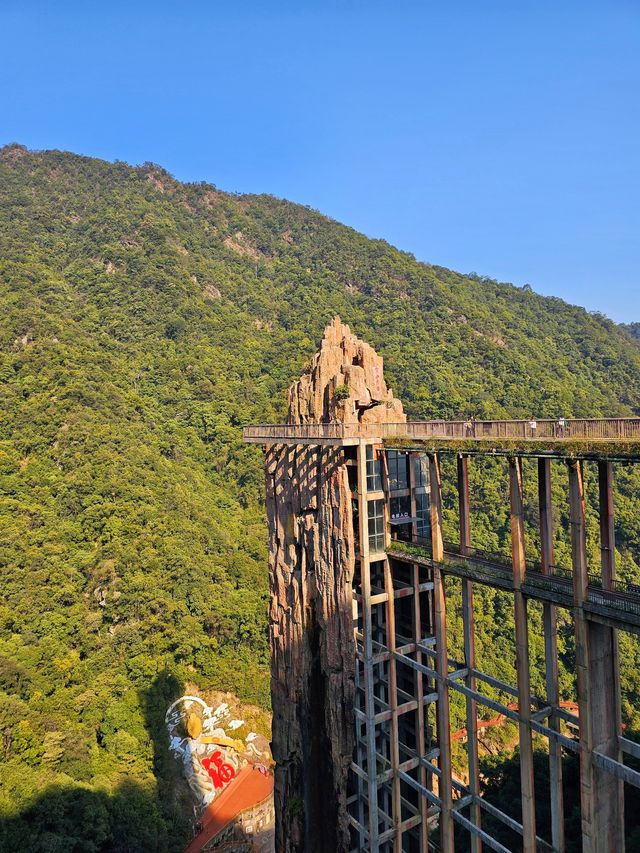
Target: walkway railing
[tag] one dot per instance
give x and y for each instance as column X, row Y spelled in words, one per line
column 592, row 429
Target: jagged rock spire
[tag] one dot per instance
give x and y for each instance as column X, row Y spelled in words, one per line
column 311, row 569
column 351, row 367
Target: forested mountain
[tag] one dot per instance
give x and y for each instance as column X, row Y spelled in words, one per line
column 143, row 322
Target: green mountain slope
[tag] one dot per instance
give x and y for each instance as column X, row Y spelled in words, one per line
column 143, row 322
column 633, row 329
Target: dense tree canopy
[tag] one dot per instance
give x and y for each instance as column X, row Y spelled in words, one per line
column 143, row 322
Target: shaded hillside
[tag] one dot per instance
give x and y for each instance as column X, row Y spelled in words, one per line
column 143, row 322
column 633, row 329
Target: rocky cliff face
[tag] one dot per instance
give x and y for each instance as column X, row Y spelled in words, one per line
column 345, row 383
column 311, row 565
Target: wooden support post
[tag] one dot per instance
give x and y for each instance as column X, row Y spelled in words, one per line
column 420, row 710
column 550, row 625
column 607, row 532
column 435, row 508
column 601, row 794
column 608, row 561
column 367, row 631
column 469, row 650
column 518, row 555
column 421, row 741
column 545, row 503
column 442, row 666
column 360, row 755
column 522, row 657
column 578, row 533
column 396, row 805
column 604, row 663
column 580, row 592
column 463, row 504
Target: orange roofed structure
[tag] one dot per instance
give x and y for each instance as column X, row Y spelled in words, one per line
column 249, row 789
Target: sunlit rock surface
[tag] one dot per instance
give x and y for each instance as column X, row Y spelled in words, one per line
column 346, row 363
column 311, row 565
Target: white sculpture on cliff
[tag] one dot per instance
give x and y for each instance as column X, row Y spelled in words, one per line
column 202, row 739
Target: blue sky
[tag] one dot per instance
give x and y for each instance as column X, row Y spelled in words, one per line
column 495, row 137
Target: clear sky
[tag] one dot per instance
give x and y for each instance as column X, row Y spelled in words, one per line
column 495, row 137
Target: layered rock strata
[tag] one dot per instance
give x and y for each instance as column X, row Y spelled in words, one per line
column 311, row 566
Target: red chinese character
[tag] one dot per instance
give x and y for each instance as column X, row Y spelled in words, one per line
column 221, row 773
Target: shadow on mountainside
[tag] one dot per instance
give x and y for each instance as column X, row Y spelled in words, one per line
column 135, row 818
column 81, row 820
column 172, row 794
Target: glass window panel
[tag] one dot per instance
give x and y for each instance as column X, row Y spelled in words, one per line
column 397, row 465
column 374, row 476
column 422, row 470
column 400, row 507
column 422, row 513
column 375, row 510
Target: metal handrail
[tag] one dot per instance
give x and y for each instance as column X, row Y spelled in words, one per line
column 592, row 429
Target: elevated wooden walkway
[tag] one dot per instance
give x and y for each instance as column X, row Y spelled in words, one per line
column 404, row 586
column 615, row 438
